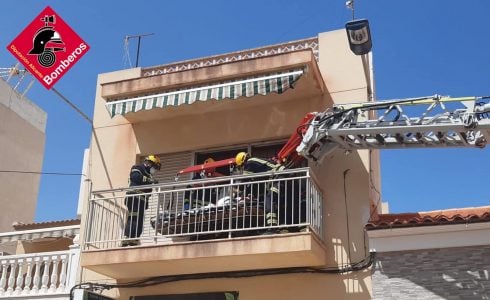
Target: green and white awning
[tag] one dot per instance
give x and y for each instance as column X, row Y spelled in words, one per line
column 247, row 87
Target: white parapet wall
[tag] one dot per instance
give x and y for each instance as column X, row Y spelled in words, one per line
column 48, row 275
column 429, row 237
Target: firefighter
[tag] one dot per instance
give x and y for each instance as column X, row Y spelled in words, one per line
column 274, row 198
column 202, row 197
column 141, row 174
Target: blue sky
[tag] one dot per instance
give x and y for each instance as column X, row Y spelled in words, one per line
column 420, row 48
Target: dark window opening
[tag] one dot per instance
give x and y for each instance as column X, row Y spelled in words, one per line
column 266, row 151
column 262, row 151
column 269, row 151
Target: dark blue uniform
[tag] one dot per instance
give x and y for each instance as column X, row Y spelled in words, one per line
column 275, row 202
column 135, row 202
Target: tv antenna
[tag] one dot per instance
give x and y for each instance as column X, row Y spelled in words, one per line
column 350, row 5
column 15, row 72
column 126, row 46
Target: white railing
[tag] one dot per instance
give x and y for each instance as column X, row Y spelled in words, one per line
column 38, row 274
column 213, row 208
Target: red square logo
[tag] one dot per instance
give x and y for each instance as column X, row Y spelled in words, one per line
column 48, row 47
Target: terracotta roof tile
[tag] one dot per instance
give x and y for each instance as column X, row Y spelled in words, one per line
column 430, row 218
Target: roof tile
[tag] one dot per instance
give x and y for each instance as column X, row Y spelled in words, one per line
column 430, row 218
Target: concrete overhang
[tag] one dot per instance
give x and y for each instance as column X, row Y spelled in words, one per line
column 247, row 253
column 310, row 85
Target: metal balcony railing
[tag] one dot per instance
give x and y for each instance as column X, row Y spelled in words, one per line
column 212, row 208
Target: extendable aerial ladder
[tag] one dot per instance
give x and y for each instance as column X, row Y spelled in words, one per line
column 427, row 122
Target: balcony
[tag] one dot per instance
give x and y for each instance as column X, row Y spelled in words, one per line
column 259, row 221
column 38, row 275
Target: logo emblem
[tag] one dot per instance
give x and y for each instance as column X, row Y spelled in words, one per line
column 46, row 42
column 48, row 47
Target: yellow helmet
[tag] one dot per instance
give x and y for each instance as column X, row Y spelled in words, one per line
column 155, row 160
column 209, row 160
column 241, row 158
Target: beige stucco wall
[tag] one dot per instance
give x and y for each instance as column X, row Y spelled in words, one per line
column 277, row 287
column 117, row 144
column 348, row 209
column 22, row 139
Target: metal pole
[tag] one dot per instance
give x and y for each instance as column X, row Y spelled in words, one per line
column 138, row 51
column 367, row 74
column 73, row 106
column 139, row 36
column 350, row 5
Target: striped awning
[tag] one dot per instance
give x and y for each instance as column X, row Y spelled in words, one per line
column 27, row 235
column 245, row 87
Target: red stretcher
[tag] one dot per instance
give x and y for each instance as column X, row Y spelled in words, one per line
column 208, row 166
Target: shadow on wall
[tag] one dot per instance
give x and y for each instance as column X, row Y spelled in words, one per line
column 451, row 273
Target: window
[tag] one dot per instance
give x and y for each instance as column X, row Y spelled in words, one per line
column 219, row 155
column 259, row 150
column 266, row 151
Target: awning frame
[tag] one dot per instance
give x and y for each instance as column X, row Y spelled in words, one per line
column 27, row 235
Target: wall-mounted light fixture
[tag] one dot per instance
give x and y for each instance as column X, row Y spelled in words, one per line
column 359, row 36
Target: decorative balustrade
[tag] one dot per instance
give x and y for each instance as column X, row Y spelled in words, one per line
column 309, row 43
column 38, row 274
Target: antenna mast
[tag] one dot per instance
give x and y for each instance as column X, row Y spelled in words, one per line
column 8, row 73
column 138, row 36
column 350, row 5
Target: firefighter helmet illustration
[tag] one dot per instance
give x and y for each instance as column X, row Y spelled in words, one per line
column 46, row 42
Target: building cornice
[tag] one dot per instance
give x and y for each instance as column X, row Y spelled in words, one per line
column 429, row 237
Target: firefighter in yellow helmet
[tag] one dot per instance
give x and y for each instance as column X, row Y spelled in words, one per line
column 137, row 199
column 253, row 165
column 241, row 158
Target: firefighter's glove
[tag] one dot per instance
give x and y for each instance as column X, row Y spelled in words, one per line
column 149, row 180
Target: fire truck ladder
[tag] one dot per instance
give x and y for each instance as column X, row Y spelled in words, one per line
column 435, row 125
